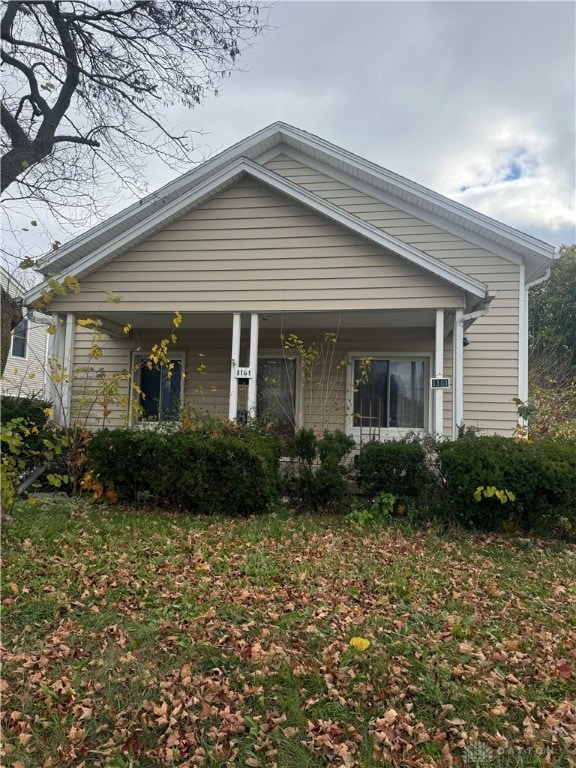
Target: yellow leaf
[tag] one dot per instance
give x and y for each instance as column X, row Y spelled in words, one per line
column 177, row 319
column 72, row 284
column 51, row 330
column 127, row 328
column 360, row 643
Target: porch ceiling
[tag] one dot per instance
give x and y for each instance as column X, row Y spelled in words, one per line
column 422, row 318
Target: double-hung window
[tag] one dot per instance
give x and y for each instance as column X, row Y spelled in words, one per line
column 388, row 393
column 20, row 339
column 159, row 390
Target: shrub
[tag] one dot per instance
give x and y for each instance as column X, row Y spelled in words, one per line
column 541, row 477
column 317, row 478
column 33, row 415
column 207, row 475
column 31, row 409
column 396, row 467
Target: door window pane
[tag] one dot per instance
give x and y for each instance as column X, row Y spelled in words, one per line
column 276, row 387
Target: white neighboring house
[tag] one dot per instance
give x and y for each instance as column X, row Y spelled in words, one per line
column 24, row 375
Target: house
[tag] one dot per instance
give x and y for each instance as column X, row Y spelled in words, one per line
column 25, row 368
column 315, row 288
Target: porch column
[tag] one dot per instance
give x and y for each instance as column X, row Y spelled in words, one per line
column 49, row 386
column 439, row 366
column 236, row 330
column 253, row 363
column 68, row 367
column 458, row 372
column 56, row 370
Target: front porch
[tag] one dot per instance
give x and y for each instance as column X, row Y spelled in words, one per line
column 366, row 372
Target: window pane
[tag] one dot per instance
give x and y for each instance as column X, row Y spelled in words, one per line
column 150, row 392
column 170, row 395
column 407, row 393
column 392, row 394
column 371, row 395
column 161, row 393
column 276, row 388
column 19, row 338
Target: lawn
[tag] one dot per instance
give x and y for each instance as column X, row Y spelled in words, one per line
column 148, row 639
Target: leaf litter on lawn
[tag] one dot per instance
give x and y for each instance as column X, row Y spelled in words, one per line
column 148, row 639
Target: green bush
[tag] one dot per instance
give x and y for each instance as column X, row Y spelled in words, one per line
column 541, row 476
column 396, row 467
column 34, row 415
column 317, row 478
column 31, row 409
column 208, row 475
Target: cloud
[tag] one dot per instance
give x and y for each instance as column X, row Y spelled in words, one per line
column 474, row 100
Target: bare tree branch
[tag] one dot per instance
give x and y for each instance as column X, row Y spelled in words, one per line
column 112, row 69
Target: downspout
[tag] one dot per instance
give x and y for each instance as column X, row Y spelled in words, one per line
column 523, row 350
column 458, row 366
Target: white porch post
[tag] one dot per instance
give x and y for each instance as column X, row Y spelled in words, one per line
column 236, row 330
column 253, row 363
column 68, row 367
column 49, row 393
column 458, row 371
column 439, row 366
column 56, row 370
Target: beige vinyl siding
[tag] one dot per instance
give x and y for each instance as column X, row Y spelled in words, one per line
column 231, row 254
column 491, row 359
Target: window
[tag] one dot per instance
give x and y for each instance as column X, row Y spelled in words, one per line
column 160, row 396
column 276, row 392
column 389, row 394
column 20, row 339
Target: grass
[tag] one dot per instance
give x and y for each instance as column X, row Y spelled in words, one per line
column 147, row 639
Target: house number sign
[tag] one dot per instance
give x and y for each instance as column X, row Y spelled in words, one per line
column 243, row 373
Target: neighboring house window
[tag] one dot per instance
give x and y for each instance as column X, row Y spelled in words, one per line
column 20, row 339
column 389, row 394
column 161, row 391
column 276, row 392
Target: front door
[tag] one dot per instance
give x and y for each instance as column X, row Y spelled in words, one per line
column 276, row 386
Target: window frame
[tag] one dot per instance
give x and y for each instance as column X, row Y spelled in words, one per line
column 26, row 322
column 136, row 359
column 388, row 433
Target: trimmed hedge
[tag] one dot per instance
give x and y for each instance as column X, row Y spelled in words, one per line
column 541, row 475
column 206, row 475
column 394, row 467
column 317, row 477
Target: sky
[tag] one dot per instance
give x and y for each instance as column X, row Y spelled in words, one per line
column 475, row 100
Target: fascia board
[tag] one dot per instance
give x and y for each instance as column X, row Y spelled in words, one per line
column 406, row 186
column 232, row 173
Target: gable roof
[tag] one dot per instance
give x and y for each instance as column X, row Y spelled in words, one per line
column 141, row 219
